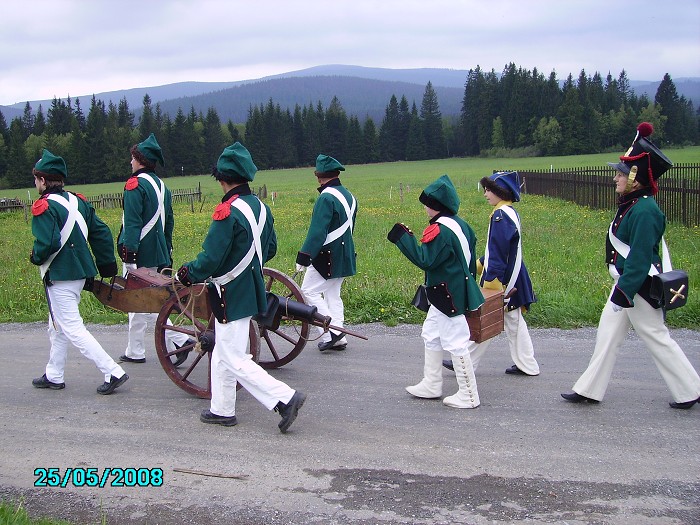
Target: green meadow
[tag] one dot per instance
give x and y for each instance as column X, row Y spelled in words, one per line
column 563, row 243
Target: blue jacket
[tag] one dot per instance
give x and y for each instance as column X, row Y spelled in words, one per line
column 502, row 245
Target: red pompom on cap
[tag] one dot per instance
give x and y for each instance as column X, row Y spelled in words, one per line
column 645, row 129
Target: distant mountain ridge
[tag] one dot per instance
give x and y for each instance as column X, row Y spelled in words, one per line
column 362, row 91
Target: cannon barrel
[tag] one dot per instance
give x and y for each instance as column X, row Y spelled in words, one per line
column 279, row 307
column 302, row 312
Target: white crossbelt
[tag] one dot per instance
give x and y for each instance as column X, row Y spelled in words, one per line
column 256, row 227
column 160, row 212
column 349, row 212
column 74, row 217
column 454, row 226
column 513, row 216
column 624, row 250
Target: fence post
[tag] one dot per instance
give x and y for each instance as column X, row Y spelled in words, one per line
column 684, row 201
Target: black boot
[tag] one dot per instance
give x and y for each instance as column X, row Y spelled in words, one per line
column 289, row 410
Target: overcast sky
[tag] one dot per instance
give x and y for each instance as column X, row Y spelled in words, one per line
column 72, row 47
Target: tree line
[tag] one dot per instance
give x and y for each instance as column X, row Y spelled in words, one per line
column 517, row 113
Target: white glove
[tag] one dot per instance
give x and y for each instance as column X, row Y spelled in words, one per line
column 300, row 268
column 616, row 307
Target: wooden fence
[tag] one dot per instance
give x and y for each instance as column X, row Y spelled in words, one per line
column 107, row 200
column 678, row 197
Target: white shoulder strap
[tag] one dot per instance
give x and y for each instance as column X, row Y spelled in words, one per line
column 454, row 226
column 624, row 250
column 74, row 217
column 519, row 255
column 256, row 228
column 160, row 212
column 513, row 216
column 349, row 212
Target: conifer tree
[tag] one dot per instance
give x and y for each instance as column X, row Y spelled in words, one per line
column 96, row 139
column 146, row 124
column 371, row 141
column 390, row 143
column 431, row 118
column 416, row 147
column 355, row 150
column 213, row 136
column 672, row 108
column 39, row 122
column 337, row 128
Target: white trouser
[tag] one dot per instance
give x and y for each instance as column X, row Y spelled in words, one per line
column 230, row 363
column 521, row 350
column 441, row 332
column 69, row 328
column 138, row 323
column 680, row 376
column 324, row 294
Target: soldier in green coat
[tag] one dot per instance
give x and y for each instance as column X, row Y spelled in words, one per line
column 240, row 240
column 632, row 256
column 328, row 253
column 65, row 227
column 146, row 240
column 447, row 255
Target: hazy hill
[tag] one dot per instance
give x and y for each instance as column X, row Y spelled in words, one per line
column 358, row 96
column 362, row 91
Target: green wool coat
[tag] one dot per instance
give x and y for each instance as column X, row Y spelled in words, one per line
column 336, row 259
column 74, row 261
column 451, row 288
column 640, row 224
column 140, row 204
column 225, row 245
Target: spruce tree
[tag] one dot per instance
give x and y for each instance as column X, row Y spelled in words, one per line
column 213, row 136
column 672, row 108
column 431, row 118
column 355, row 150
column 390, row 143
column 337, row 128
column 146, row 124
column 371, row 141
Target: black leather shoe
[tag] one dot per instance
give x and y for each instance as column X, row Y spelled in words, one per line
column 332, row 344
column 125, row 359
column 578, row 398
column 225, row 421
column 42, row 382
column 181, row 357
column 515, row 371
column 685, row 405
column 107, row 388
column 289, row 411
column 447, row 363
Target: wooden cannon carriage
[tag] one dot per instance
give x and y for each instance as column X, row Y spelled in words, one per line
column 274, row 339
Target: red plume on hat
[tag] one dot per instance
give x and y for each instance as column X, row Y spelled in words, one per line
column 645, row 159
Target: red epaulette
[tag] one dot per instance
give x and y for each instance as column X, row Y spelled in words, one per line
column 223, row 210
column 132, row 183
column 40, row 206
column 81, row 196
column 430, row 232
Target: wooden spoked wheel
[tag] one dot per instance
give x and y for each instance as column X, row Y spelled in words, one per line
column 278, row 347
column 187, row 312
